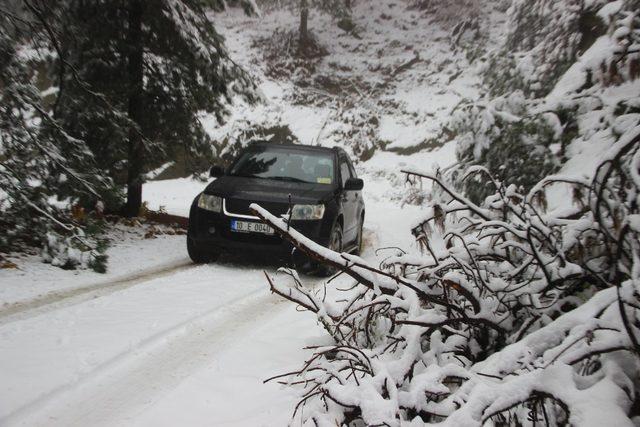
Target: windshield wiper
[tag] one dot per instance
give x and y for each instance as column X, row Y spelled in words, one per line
column 287, row 178
column 276, row 178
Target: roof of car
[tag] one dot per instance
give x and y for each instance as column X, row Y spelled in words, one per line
column 295, row 146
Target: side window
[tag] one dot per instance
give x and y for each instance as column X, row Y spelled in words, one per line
column 345, row 173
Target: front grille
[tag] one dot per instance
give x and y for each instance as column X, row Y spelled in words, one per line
column 241, row 207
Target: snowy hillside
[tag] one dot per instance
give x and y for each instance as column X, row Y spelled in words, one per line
column 379, row 87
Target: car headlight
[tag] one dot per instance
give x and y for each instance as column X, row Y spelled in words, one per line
column 210, row 203
column 307, row 212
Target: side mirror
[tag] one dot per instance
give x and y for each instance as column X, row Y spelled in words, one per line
column 354, row 184
column 216, row 171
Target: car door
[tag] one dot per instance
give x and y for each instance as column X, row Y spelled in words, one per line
column 349, row 201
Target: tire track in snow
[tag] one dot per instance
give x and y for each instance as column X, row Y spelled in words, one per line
column 59, row 299
column 134, row 379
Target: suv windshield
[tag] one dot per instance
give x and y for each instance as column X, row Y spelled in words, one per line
column 285, row 165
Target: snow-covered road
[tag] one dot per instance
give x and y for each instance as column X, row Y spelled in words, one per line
column 68, row 296
column 103, row 360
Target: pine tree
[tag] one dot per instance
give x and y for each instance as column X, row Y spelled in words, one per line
column 158, row 65
column 521, row 131
column 33, row 168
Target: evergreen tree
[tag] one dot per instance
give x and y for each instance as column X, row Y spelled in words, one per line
column 33, row 168
column 158, row 66
column 521, row 131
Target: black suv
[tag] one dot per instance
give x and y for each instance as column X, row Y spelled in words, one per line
column 316, row 187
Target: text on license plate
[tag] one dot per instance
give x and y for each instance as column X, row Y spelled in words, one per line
column 251, row 227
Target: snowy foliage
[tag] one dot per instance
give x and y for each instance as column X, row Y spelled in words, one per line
column 512, row 314
column 187, row 74
column 564, row 75
column 74, row 252
column 514, row 145
column 34, row 170
column 73, row 131
column 541, row 42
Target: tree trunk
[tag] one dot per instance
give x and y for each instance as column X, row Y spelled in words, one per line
column 136, row 143
column 304, row 17
column 347, row 4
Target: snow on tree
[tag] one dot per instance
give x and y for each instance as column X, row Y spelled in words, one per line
column 548, row 86
column 126, row 85
column 35, row 169
column 512, row 314
column 160, row 66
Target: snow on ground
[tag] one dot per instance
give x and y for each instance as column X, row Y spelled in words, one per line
column 173, row 196
column 411, row 104
column 260, row 352
column 120, row 353
column 130, row 256
column 384, row 161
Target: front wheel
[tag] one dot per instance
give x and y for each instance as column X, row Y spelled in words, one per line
column 198, row 255
column 335, row 244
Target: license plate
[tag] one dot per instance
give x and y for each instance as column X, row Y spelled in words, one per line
column 251, row 227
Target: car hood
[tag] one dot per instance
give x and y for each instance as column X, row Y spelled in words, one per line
column 259, row 189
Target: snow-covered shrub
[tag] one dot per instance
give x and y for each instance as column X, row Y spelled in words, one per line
column 75, row 251
column 511, row 315
column 360, row 127
column 543, row 38
column 543, row 97
column 503, row 137
column 624, row 32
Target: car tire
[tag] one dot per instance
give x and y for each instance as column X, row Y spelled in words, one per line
column 198, row 255
column 301, row 262
column 335, row 244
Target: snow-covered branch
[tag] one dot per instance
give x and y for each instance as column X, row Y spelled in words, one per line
column 514, row 314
